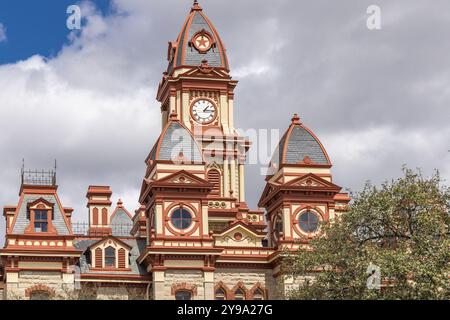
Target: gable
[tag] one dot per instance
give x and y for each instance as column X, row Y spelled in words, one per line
column 313, row 181
column 110, row 241
column 239, row 235
column 183, row 177
column 205, row 72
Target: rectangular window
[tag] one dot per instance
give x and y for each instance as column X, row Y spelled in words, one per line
column 110, row 257
column 40, row 221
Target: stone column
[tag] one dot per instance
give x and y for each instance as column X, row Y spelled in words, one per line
column 233, row 178
column 241, row 183
column 209, row 285
column 158, row 285
column 226, row 178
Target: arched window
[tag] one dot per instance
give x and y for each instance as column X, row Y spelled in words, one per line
column 214, row 178
column 239, row 294
column 110, row 257
column 95, row 216
column 39, row 295
column 221, row 294
column 183, row 295
column 309, row 222
column 181, row 219
column 258, row 294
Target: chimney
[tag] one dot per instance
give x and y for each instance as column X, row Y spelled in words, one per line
column 99, row 205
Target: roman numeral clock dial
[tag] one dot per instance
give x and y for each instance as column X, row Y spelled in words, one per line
column 204, row 111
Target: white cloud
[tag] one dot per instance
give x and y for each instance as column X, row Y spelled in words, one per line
column 91, row 107
column 2, row 33
column 379, row 153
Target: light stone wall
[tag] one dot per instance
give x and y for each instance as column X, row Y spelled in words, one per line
column 112, row 293
column 249, row 277
column 288, row 284
column 17, row 284
column 177, row 277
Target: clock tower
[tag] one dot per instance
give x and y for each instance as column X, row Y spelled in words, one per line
column 193, row 189
column 198, row 89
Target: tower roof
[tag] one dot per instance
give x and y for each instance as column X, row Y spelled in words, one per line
column 299, row 146
column 198, row 41
column 176, row 144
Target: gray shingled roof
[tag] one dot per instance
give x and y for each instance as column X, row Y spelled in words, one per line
column 22, row 222
column 192, row 57
column 300, row 144
column 121, row 223
column 137, row 245
column 174, row 141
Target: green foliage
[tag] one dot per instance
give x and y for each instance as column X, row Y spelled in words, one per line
column 402, row 227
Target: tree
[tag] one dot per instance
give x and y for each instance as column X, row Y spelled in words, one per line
column 401, row 227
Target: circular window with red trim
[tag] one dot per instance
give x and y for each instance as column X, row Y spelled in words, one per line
column 309, row 222
column 181, row 219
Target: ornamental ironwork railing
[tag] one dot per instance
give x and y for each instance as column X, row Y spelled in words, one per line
column 118, row 229
column 38, row 177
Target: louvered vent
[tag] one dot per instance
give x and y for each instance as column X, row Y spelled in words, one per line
column 122, row 257
column 98, row 258
column 214, row 178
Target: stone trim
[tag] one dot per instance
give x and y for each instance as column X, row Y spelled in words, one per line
column 39, row 287
column 184, row 287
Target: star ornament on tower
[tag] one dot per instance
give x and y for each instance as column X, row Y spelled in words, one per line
column 202, row 41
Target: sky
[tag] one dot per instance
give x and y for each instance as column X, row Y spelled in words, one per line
column 377, row 99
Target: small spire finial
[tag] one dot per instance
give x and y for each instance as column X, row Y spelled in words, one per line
column 120, row 203
column 173, row 116
column 296, row 119
column 196, row 6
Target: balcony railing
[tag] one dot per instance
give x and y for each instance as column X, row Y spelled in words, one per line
column 118, row 229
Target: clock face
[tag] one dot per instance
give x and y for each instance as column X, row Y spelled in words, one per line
column 204, row 111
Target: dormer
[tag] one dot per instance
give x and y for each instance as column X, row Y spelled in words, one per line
column 40, row 214
column 110, row 254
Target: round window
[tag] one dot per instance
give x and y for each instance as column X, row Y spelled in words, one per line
column 181, row 219
column 309, row 222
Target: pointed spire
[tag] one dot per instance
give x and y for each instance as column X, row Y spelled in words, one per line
column 120, row 203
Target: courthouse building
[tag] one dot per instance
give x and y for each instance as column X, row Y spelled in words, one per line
column 194, row 237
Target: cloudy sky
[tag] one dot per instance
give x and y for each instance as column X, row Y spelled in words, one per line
column 376, row 99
